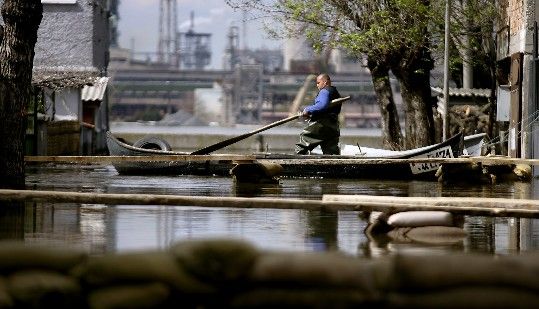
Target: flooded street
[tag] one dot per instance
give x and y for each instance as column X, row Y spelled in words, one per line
column 115, row 228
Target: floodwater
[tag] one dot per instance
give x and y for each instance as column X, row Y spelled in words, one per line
column 98, row 229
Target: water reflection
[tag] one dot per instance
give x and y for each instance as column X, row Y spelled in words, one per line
column 100, row 228
column 322, row 230
column 383, row 246
column 12, row 220
column 255, row 190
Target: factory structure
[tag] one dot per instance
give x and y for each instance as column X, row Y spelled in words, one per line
column 252, row 86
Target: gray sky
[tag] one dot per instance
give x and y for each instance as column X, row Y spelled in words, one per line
column 139, row 20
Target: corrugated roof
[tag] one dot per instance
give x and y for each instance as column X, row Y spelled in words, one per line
column 464, row 92
column 96, row 91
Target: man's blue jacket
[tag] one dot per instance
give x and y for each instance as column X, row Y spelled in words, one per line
column 322, row 102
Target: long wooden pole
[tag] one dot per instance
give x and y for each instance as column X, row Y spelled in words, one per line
column 499, row 207
column 149, row 158
column 368, row 161
column 238, row 158
column 230, row 141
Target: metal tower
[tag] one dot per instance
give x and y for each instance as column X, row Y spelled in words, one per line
column 113, row 21
column 167, row 48
column 232, row 50
column 195, row 48
column 248, row 93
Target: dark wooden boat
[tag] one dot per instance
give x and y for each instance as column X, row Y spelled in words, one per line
column 153, row 146
column 343, row 166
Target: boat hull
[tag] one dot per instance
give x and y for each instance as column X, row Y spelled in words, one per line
column 344, row 166
column 293, row 165
column 117, row 147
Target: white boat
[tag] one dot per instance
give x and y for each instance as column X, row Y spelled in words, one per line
column 473, row 145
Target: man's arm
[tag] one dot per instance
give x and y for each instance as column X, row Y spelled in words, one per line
column 321, row 103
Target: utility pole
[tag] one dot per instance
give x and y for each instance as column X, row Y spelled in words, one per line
column 445, row 115
column 467, row 62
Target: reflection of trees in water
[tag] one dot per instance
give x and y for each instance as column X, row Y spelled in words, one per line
column 424, row 188
column 191, row 222
column 12, row 216
column 480, row 234
column 501, row 235
column 322, row 229
column 89, row 226
column 257, row 190
column 317, row 187
column 322, row 226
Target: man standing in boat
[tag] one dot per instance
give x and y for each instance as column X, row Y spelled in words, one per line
column 323, row 127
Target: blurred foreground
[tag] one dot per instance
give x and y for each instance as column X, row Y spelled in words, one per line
column 218, row 273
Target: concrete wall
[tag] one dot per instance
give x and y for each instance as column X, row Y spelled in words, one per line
column 64, row 36
column 101, row 35
column 513, row 15
column 71, row 35
column 518, row 16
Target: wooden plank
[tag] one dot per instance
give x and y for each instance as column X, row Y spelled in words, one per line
column 153, row 158
column 157, row 199
column 498, row 207
column 435, row 201
column 306, row 160
column 359, row 161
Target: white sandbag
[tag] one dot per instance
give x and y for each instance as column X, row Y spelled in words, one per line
column 420, row 218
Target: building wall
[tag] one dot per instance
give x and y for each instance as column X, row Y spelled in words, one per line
column 63, row 104
column 73, row 37
column 515, row 36
column 70, row 35
column 515, row 13
column 101, row 35
column 513, row 24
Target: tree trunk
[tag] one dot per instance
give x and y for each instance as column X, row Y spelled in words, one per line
column 413, row 72
column 391, row 130
column 22, row 19
column 415, row 91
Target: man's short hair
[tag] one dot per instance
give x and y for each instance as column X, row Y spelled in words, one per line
column 325, row 76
